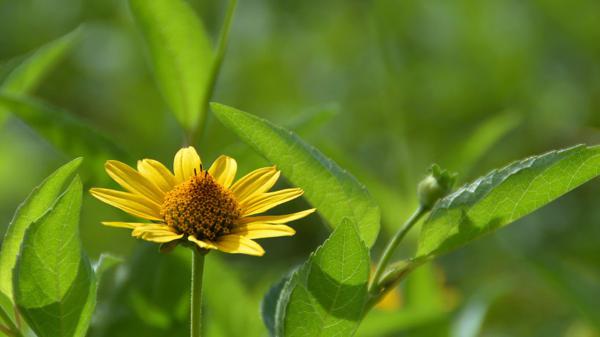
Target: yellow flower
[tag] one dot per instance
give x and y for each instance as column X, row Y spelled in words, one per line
column 202, row 206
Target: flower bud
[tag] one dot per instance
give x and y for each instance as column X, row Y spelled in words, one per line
column 435, row 186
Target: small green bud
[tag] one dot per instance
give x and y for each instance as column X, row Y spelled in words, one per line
column 435, row 186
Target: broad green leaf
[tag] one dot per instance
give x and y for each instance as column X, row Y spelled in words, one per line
column 30, row 70
column 332, row 190
column 504, row 196
column 181, row 53
column 326, row 296
column 54, row 284
column 36, row 204
column 63, row 130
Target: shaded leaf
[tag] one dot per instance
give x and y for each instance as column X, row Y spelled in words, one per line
column 63, row 130
column 27, row 72
column 104, row 263
column 268, row 306
column 181, row 54
column 332, row 190
column 326, row 296
column 504, row 196
column 36, row 204
column 54, row 284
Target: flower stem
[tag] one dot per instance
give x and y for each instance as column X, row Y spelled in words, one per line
column 196, row 310
column 393, row 244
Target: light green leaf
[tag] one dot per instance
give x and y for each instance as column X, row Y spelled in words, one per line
column 54, row 284
column 326, row 296
column 63, row 130
column 332, row 190
column 36, row 204
column 504, row 196
column 181, row 53
column 30, row 70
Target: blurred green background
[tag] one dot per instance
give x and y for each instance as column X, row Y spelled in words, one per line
column 383, row 87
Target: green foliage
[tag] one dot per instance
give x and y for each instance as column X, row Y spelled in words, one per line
column 331, row 189
column 54, row 284
column 181, row 53
column 65, row 131
column 326, row 296
column 504, row 196
column 38, row 202
column 26, row 73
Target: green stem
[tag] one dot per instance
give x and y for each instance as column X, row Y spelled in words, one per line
column 393, row 244
column 10, row 325
column 216, row 67
column 197, row 273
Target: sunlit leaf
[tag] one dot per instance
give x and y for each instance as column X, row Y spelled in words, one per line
column 181, row 55
column 504, row 196
column 332, row 190
column 54, row 284
column 36, row 204
column 326, row 296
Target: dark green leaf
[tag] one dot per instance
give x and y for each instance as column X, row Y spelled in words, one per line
column 332, row 190
column 36, row 204
column 181, row 53
column 268, row 306
column 326, row 296
column 54, row 284
column 503, row 196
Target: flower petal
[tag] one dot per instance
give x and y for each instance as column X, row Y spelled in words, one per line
column 263, row 230
column 186, row 164
column 237, row 244
column 130, row 225
column 202, row 244
column 154, row 234
column 133, row 181
column 157, row 173
column 266, row 201
column 255, row 182
column 223, row 170
column 276, row 219
column 131, row 203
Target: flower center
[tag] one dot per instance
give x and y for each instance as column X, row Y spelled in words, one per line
column 200, row 207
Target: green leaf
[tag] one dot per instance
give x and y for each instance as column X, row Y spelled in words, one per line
column 326, row 296
column 181, row 53
column 30, row 70
column 36, row 204
column 54, row 284
column 332, row 190
column 63, row 130
column 268, row 306
column 504, row 196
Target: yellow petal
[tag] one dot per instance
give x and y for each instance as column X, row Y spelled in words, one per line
column 255, row 182
column 186, row 164
column 237, row 244
column 156, row 235
column 276, row 219
column 266, row 201
column 131, row 203
column 202, row 244
column 119, row 224
column 133, row 181
column 260, row 231
column 223, row 170
column 157, row 173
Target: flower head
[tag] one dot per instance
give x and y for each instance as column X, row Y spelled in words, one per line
column 204, row 207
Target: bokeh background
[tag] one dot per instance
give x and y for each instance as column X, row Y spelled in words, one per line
column 385, row 88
